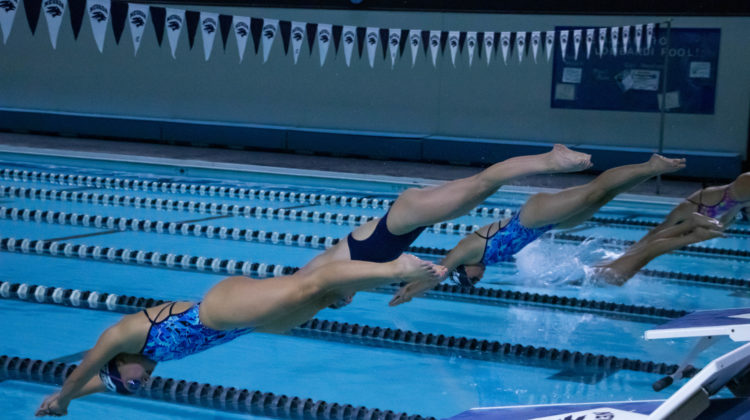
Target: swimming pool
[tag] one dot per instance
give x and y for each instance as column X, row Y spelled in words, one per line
column 530, row 334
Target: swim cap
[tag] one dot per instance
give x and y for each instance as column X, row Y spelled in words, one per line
column 110, row 376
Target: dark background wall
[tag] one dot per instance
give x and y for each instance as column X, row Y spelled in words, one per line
column 462, row 114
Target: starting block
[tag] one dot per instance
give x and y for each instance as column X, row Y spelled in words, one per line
column 689, row 402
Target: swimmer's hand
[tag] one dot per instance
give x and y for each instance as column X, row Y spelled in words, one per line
column 52, row 406
column 416, row 288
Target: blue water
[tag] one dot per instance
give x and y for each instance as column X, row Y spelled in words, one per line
column 439, row 385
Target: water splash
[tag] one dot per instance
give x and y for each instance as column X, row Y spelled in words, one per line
column 547, row 263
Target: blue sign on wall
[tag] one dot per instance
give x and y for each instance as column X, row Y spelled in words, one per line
column 632, row 81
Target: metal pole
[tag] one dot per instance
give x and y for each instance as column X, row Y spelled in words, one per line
column 663, row 102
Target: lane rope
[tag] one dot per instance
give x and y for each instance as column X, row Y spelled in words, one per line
column 373, row 336
column 204, row 395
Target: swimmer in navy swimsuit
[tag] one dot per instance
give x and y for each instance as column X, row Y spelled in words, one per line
column 498, row 242
column 415, row 209
column 126, row 353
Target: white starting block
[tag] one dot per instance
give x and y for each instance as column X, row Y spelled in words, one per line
column 709, row 326
column 734, row 323
column 689, row 402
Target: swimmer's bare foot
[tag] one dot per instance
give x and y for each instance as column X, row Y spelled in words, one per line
column 662, row 165
column 563, row 159
column 412, row 269
column 413, row 289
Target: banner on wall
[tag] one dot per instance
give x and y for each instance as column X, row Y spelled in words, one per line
column 99, row 17
column 631, row 78
column 137, row 17
column 54, row 10
column 175, row 19
column 209, row 25
column 7, row 15
column 462, row 46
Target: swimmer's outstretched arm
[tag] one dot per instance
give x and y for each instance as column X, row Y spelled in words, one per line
column 469, row 250
column 84, row 380
column 696, row 228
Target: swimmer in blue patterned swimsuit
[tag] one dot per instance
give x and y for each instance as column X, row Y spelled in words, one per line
column 499, row 241
column 126, row 353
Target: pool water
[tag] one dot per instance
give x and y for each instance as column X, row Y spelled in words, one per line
column 333, row 366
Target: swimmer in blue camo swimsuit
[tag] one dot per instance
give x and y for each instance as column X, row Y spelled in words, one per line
column 499, row 241
column 126, row 353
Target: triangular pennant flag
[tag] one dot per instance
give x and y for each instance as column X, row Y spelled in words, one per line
column 174, row 23
column 324, row 40
column 615, row 37
column 372, row 44
column 225, row 25
column 209, row 26
column 349, row 37
column 53, row 12
column 270, row 27
column 415, row 38
column 512, row 44
column 192, row 18
column 337, row 30
column 638, row 38
column 425, row 41
column 118, row 11
column 361, row 35
column 7, row 15
column 602, row 40
column 159, row 19
column 589, row 42
column 384, row 41
column 32, row 9
column 521, row 45
column 312, row 30
column 402, row 42
column 489, row 45
column 443, row 41
column 76, row 8
column 625, row 39
column 564, row 43
column 536, row 39
column 505, row 44
column 577, row 34
column 649, row 34
column 461, row 42
column 549, row 43
column 480, row 43
column 394, row 40
column 285, row 28
column 241, row 26
column 256, row 29
column 298, row 36
column 434, row 46
column 453, row 42
column 471, row 44
column 137, row 18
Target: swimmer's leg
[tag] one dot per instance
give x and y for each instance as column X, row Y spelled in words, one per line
column 572, row 206
column 426, row 206
column 281, row 303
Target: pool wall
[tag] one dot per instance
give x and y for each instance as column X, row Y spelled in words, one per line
column 450, row 113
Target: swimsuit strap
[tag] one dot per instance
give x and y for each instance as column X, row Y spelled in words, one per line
column 487, row 238
column 153, row 321
column 700, row 200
